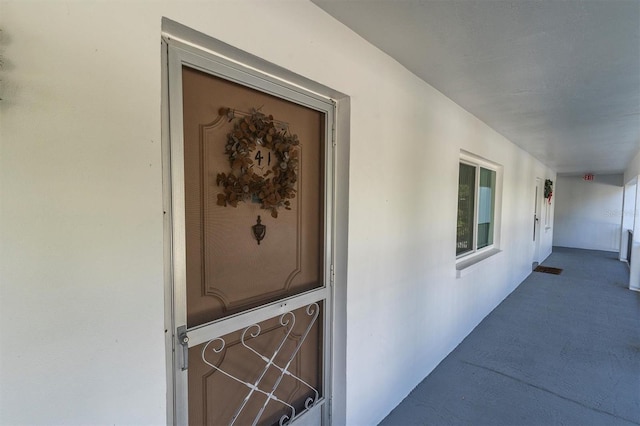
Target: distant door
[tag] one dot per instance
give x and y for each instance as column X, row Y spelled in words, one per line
column 537, row 207
column 253, row 306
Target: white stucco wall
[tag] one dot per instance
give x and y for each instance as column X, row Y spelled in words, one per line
column 81, row 261
column 633, row 168
column 628, row 217
column 630, row 220
column 588, row 214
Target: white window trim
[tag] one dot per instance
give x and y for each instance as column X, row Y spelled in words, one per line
column 466, row 260
column 547, row 214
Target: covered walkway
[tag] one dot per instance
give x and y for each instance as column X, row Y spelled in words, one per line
column 561, row 349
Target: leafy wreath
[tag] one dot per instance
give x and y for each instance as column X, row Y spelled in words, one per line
column 548, row 189
column 277, row 187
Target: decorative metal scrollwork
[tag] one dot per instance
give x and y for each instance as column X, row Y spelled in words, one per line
column 286, row 320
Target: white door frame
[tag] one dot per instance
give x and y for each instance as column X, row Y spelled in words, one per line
column 537, row 224
column 182, row 45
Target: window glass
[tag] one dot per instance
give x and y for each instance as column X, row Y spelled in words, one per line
column 476, row 222
column 486, row 203
column 466, row 207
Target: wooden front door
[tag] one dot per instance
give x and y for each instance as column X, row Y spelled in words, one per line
column 252, row 300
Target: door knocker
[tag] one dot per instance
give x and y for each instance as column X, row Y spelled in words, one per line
column 259, row 230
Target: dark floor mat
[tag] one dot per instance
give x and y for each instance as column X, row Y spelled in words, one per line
column 548, row 270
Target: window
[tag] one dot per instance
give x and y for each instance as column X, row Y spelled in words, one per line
column 476, row 207
column 547, row 213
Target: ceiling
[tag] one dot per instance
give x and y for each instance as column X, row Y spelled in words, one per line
column 560, row 78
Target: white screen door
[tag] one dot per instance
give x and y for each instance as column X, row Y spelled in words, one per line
column 537, row 207
column 250, row 215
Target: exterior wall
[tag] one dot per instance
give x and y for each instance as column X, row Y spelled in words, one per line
column 628, row 217
column 633, row 169
column 81, row 296
column 589, row 214
column 631, row 209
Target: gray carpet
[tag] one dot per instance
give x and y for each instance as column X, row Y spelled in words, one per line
column 560, row 350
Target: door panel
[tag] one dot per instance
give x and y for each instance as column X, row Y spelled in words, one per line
column 218, row 368
column 274, row 369
column 227, row 271
column 537, row 207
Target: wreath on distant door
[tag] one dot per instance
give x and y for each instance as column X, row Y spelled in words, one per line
column 548, row 190
column 275, row 187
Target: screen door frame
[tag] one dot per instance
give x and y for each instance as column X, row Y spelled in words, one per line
column 176, row 53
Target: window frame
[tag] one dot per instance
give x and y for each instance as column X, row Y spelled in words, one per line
column 481, row 163
column 547, row 214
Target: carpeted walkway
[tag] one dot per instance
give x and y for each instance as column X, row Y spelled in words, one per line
column 560, row 350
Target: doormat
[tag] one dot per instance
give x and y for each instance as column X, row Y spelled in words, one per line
column 548, row 270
